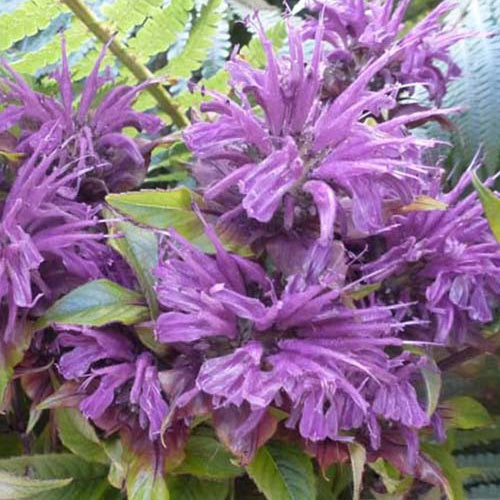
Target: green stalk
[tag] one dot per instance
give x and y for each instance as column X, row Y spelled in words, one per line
column 139, row 70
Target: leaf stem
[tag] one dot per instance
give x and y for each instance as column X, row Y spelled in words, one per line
column 139, row 70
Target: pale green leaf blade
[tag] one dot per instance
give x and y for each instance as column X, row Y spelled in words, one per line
column 358, row 461
column 491, row 206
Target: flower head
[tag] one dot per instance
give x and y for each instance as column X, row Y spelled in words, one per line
column 118, row 379
column 282, row 160
column 94, row 135
column 285, row 342
column 358, row 31
column 445, row 261
column 44, row 233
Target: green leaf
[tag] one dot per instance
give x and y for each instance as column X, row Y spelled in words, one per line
column 464, row 412
column 199, row 42
column 432, row 379
column 283, row 472
column 207, row 458
column 391, row 477
column 78, row 435
column 476, row 90
column 192, row 488
column 160, row 209
column 480, row 467
column 79, row 479
column 254, row 52
column 452, row 481
column 30, row 17
column 10, row 444
column 491, row 205
column 358, row 460
column 13, row 487
column 95, row 304
column 477, row 437
column 162, row 29
column 10, row 356
column 364, row 291
column 139, row 247
column 143, row 483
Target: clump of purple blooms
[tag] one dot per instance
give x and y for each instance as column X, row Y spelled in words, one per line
column 361, row 261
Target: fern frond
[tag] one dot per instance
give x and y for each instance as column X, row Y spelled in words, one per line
column 199, row 42
column 218, row 83
column 220, row 47
column 477, row 437
column 76, row 36
column 477, row 89
column 483, row 467
column 161, row 30
column 123, row 15
column 29, row 18
column 254, row 51
column 484, row 492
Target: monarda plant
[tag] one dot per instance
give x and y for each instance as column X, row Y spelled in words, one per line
column 283, row 316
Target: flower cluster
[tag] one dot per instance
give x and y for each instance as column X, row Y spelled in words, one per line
column 357, row 32
column 357, row 260
column 90, row 138
column 51, row 237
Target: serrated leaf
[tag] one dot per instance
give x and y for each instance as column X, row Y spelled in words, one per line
column 192, row 488
column 491, row 205
column 207, row 458
column 464, row 412
column 95, row 304
column 358, row 461
column 82, row 479
column 282, row 472
column 78, row 435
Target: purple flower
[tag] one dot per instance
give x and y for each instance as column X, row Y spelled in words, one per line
column 446, row 261
column 283, row 160
column 45, row 237
column 285, row 342
column 93, row 135
column 359, row 31
column 118, row 377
